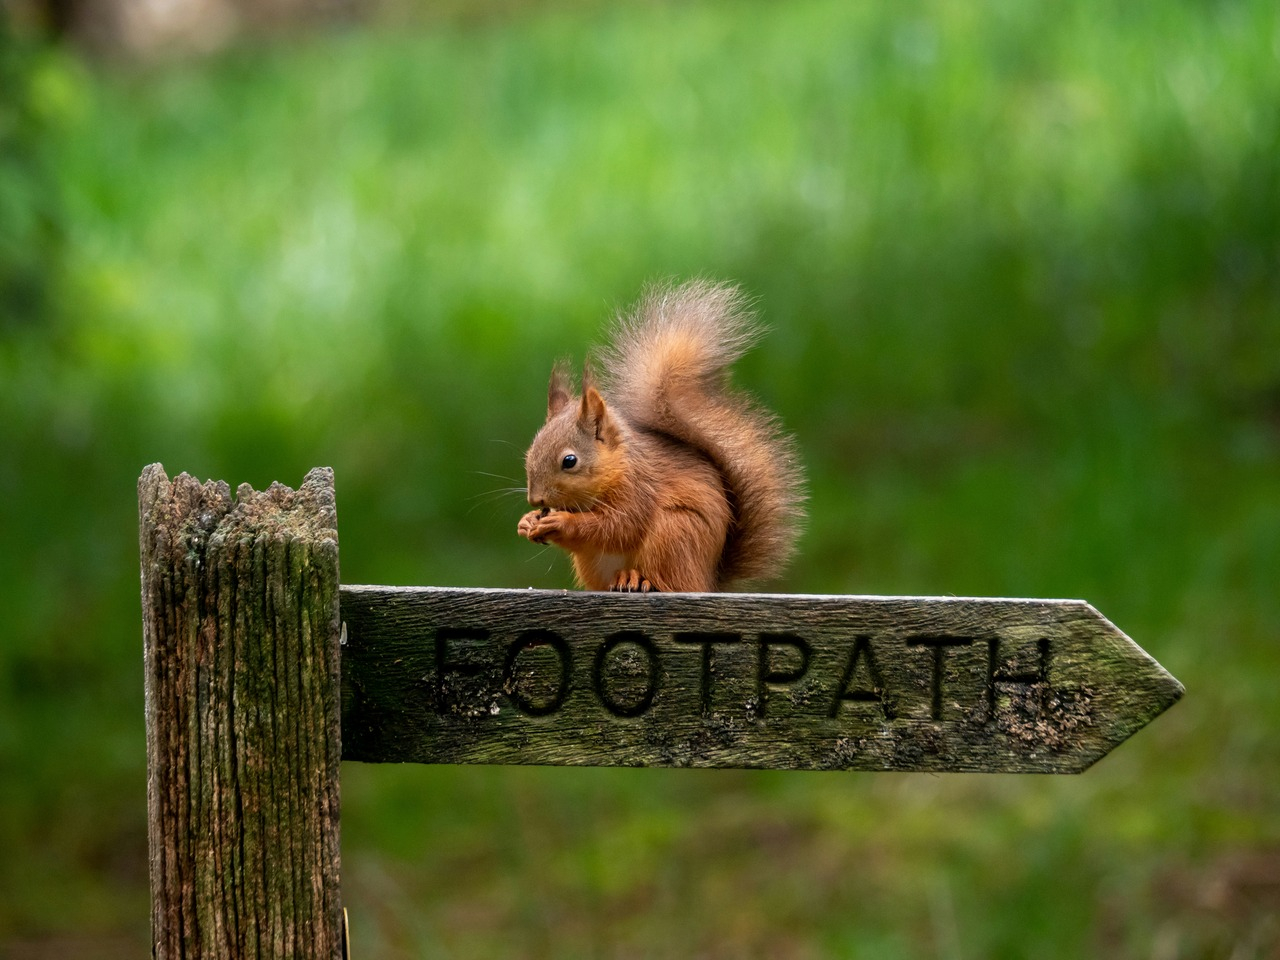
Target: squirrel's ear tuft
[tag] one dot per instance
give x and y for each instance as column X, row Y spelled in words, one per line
column 558, row 391
column 594, row 416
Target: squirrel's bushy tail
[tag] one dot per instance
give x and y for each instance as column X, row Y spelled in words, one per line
column 667, row 371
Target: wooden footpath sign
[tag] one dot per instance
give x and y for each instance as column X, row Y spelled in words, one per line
column 739, row 680
column 262, row 673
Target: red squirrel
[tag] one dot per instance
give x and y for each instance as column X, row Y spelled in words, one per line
column 663, row 477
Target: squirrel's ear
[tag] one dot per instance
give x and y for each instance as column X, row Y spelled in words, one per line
column 594, row 415
column 558, row 391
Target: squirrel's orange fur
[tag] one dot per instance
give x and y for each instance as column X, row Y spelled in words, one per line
column 665, row 478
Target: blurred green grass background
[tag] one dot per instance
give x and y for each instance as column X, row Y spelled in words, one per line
column 1022, row 267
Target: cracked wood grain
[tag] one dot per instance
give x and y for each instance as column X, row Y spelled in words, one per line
column 240, row 627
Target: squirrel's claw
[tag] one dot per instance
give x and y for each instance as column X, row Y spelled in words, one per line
column 630, row 581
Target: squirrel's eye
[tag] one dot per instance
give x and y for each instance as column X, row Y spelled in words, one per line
column 569, row 461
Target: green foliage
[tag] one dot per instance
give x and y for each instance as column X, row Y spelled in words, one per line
column 1022, row 266
column 35, row 103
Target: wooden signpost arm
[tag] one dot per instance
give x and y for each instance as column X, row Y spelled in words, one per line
column 241, row 634
column 943, row 684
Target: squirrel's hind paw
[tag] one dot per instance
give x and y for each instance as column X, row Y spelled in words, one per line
column 631, row 581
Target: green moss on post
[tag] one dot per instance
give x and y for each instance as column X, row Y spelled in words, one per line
column 241, row 631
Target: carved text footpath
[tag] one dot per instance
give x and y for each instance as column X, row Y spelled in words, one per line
column 538, row 686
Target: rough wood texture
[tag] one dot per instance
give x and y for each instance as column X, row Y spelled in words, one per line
column 739, row 680
column 241, row 633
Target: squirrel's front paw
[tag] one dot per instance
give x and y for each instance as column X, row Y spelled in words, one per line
column 527, row 521
column 631, row 581
column 538, row 525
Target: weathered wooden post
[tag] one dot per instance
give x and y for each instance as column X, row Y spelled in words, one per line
column 241, row 631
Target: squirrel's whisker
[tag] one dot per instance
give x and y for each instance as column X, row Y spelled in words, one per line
column 495, row 476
